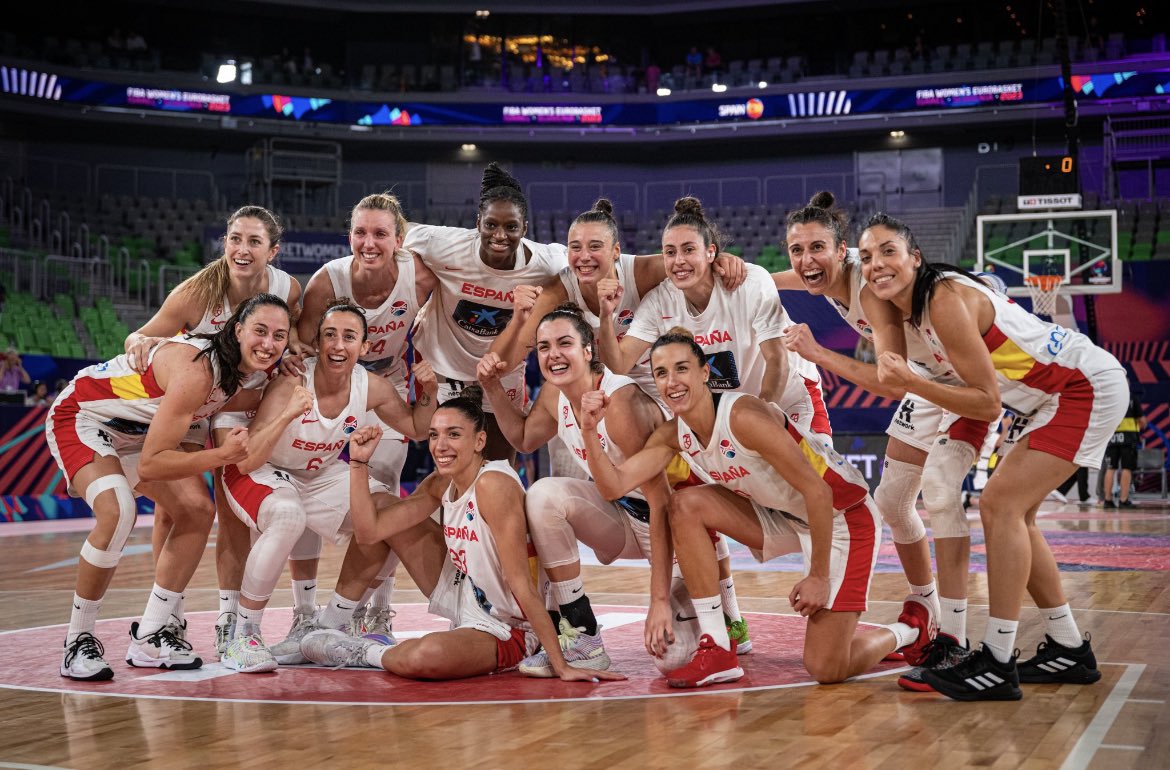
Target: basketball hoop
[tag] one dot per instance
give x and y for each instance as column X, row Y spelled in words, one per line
column 1044, row 289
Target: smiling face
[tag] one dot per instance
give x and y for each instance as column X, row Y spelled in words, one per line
column 501, row 225
column 592, row 251
column 247, row 248
column 888, row 265
column 815, row 258
column 455, row 444
column 374, row 237
column 688, row 259
column 562, row 355
column 341, row 340
column 680, row 377
column 263, row 336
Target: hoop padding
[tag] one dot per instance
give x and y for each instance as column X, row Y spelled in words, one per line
column 1044, row 289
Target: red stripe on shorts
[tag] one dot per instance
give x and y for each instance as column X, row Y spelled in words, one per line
column 510, row 653
column 72, row 450
column 1062, row 435
column 854, row 591
column 247, row 493
column 970, row 431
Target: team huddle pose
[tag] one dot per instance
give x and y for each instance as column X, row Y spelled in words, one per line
column 686, row 396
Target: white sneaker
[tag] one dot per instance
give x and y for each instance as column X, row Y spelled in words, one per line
column 83, row 660
column 579, row 648
column 225, row 629
column 334, row 647
column 288, row 651
column 248, row 655
column 379, row 625
column 357, row 623
column 162, row 649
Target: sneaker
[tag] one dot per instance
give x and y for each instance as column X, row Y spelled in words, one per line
column 1125, row 504
column 288, row 651
column 738, row 631
column 1108, row 503
column 917, row 613
column 1054, row 663
column 248, row 655
column 711, row 664
column 162, row 649
column 1056, row 495
column 83, row 660
column 581, row 650
column 225, row 629
column 379, row 625
column 944, row 652
column 979, row 677
column 357, row 624
column 334, row 647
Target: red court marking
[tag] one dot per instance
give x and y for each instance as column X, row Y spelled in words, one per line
column 32, row 657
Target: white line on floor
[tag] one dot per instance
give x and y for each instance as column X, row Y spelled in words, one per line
column 1093, row 738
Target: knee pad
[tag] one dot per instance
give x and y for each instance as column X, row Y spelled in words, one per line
column 947, row 466
column 127, row 515
column 282, row 522
column 896, row 496
column 307, row 548
column 544, row 500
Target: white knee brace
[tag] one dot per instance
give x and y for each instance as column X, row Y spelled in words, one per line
column 127, row 515
column 281, row 521
column 942, row 486
column 896, row 496
column 307, row 548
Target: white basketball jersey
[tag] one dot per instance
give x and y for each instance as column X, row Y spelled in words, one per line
column 473, row 302
column 386, row 325
column 312, row 441
column 472, row 547
column 279, row 283
column 725, row 461
column 569, row 429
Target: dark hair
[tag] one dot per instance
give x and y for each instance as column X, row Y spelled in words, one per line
column 928, row 275
column 499, row 185
column 680, row 336
column 572, row 313
column 209, row 287
column 225, row 348
column 344, row 305
column 822, row 209
column 601, row 212
column 469, row 403
column 688, row 212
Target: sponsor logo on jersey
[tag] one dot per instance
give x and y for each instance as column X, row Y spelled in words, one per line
column 714, row 338
column 905, row 415
column 731, row 474
column 350, row 425
column 317, row 446
column 480, row 320
column 727, row 449
column 485, row 292
column 398, row 307
column 724, row 371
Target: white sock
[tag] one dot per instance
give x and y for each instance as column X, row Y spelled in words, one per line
column 83, row 618
column 305, row 595
column 1060, row 624
column 383, row 594
column 727, row 595
column 903, row 634
column 159, row 608
column 180, row 611
column 710, row 612
column 1000, row 638
column 374, row 655
column 929, row 592
column 229, row 601
column 567, row 591
column 953, row 618
column 339, row 612
column 248, row 621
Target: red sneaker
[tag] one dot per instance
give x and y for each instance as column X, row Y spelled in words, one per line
column 916, row 613
column 711, row 664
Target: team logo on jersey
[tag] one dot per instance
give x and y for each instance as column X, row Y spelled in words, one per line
column 350, row 425
column 470, row 510
column 863, row 325
column 398, row 307
column 727, row 449
column 624, row 318
column 103, row 366
column 687, row 441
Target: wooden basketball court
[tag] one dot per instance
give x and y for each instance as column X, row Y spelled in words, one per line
column 1116, row 566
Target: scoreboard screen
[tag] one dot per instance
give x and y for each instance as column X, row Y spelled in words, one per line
column 1049, row 175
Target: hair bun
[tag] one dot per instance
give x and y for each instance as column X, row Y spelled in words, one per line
column 472, row 393
column 689, row 205
column 494, row 176
column 680, row 331
column 605, row 206
column 822, row 200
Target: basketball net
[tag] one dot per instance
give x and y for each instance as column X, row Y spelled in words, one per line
column 1044, row 290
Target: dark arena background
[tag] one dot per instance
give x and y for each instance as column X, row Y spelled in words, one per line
column 129, row 131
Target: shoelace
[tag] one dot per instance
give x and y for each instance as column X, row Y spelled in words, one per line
column 355, row 654
column 381, row 618
column 301, row 621
column 168, row 635
column 84, row 643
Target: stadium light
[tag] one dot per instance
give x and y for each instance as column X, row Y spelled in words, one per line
column 468, row 147
column 227, row 72
column 663, row 92
column 718, row 87
column 763, row 84
column 897, row 134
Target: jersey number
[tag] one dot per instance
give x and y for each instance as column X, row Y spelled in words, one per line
column 378, row 346
column 314, row 463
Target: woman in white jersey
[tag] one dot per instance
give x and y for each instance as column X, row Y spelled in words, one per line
column 1068, row 395
column 472, row 563
column 478, row 271
column 200, row 305
column 774, row 495
column 293, row 479
column 115, row 431
column 390, row 285
column 740, row 332
column 563, row 510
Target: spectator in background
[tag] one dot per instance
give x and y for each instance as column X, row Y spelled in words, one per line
column 864, row 352
column 13, row 377
column 307, row 65
column 39, row 396
column 135, row 43
column 694, row 63
column 115, row 41
column 653, row 74
column 712, row 61
column 1122, row 453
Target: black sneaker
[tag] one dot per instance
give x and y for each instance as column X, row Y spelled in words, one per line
column 943, row 651
column 1054, row 663
column 1125, row 504
column 1107, row 503
column 979, row 677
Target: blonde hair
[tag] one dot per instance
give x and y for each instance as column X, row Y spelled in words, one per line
column 209, row 287
column 382, row 201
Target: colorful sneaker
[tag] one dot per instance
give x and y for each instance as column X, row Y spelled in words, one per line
column 978, row 677
column 357, row 623
column 738, row 631
column 944, row 652
column 917, row 613
column 162, row 649
column 225, row 629
column 83, row 660
column 379, row 625
column 1054, row 663
column 711, row 664
column 580, row 649
column 334, row 647
column 248, row 655
column 288, row 651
